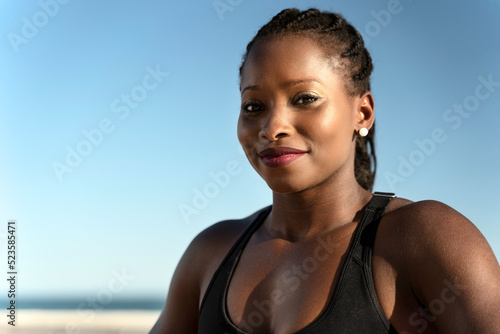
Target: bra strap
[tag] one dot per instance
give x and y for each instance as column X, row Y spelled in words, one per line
column 369, row 223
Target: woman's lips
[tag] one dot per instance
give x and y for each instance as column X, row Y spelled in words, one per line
column 280, row 156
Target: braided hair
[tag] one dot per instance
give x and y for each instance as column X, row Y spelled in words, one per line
column 344, row 45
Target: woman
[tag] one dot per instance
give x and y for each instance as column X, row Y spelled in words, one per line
column 328, row 256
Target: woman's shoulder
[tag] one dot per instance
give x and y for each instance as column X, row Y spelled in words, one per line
column 209, row 248
column 428, row 226
column 224, row 234
column 194, row 272
column 433, row 246
column 426, row 219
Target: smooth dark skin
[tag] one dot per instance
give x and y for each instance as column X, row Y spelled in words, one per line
column 421, row 248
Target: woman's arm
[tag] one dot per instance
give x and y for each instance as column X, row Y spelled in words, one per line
column 193, row 274
column 453, row 271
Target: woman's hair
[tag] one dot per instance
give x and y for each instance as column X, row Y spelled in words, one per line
column 342, row 44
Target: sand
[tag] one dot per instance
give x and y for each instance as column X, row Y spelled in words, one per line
column 71, row 322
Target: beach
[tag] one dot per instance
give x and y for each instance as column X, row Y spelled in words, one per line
column 30, row 321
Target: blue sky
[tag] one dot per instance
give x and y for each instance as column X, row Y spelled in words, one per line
column 154, row 86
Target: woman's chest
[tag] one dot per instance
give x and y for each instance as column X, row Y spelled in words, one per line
column 281, row 288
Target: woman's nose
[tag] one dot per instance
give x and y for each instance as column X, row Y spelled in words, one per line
column 277, row 124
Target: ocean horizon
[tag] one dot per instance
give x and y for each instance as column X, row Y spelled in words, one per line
column 86, row 303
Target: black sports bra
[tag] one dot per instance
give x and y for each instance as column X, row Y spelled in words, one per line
column 353, row 308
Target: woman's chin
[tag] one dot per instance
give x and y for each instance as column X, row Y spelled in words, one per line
column 284, row 185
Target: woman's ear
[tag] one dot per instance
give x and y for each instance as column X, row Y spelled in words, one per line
column 366, row 112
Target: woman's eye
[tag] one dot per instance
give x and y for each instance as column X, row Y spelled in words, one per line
column 306, row 99
column 251, row 108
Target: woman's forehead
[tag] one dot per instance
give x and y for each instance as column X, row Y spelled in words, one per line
column 286, row 59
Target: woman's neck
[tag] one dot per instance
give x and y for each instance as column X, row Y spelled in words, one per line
column 307, row 213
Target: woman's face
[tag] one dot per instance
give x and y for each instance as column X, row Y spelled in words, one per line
column 297, row 120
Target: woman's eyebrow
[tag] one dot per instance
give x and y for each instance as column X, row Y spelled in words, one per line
column 299, row 81
column 284, row 85
column 250, row 87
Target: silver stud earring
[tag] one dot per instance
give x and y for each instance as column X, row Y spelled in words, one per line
column 363, row 132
